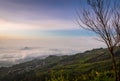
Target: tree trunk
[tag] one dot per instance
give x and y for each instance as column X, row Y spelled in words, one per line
column 114, row 65
column 119, row 70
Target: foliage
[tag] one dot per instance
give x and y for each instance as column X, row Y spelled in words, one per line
column 78, row 67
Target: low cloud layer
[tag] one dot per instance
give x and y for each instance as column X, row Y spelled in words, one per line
column 19, row 50
column 16, row 55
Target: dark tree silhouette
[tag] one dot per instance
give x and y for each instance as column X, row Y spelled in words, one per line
column 103, row 18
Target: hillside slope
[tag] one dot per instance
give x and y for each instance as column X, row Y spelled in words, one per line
column 73, row 65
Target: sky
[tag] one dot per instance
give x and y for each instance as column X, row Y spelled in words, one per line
column 51, row 20
column 36, row 17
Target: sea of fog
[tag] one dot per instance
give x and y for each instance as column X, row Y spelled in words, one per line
column 15, row 55
column 14, row 51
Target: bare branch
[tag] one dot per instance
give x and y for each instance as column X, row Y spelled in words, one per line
column 103, row 18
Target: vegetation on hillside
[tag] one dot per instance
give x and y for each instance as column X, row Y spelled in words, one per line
column 94, row 65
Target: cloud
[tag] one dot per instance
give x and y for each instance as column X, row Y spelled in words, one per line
column 14, row 56
column 19, row 18
column 33, row 28
column 12, row 50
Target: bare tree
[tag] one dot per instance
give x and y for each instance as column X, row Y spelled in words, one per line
column 103, row 18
